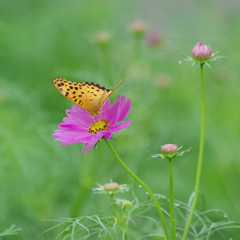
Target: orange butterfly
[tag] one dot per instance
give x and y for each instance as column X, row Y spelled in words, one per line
column 87, row 95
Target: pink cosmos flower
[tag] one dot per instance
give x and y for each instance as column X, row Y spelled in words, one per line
column 80, row 127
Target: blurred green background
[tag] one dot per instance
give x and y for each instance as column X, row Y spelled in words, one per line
column 40, row 40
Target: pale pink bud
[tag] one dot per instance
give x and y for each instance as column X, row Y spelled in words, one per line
column 154, row 38
column 169, row 150
column 102, row 37
column 111, row 186
column 201, row 52
column 138, row 27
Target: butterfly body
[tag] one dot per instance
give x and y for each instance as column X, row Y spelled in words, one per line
column 87, row 95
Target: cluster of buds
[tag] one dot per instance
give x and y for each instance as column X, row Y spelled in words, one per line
column 139, row 30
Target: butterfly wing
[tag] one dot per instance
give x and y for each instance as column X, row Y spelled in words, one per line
column 104, row 96
column 87, row 95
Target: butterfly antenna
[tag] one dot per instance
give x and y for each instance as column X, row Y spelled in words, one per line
column 112, row 90
column 110, row 107
column 118, row 84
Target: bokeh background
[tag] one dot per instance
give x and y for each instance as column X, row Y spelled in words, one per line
column 40, row 40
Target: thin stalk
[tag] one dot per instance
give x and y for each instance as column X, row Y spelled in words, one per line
column 113, row 205
column 78, row 202
column 137, row 48
column 124, row 222
column 200, row 157
column 126, row 236
column 144, row 185
column 174, row 235
column 135, row 55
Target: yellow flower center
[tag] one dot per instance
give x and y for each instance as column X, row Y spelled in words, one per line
column 98, row 126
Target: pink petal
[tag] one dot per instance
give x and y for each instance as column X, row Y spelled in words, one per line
column 75, row 127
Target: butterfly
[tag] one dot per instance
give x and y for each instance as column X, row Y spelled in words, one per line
column 87, row 95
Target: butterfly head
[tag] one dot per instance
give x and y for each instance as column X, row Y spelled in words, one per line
column 94, row 113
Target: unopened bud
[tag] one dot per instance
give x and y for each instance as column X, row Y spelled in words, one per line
column 169, row 150
column 111, row 186
column 201, row 52
column 102, row 37
column 154, row 38
column 124, row 204
column 138, row 28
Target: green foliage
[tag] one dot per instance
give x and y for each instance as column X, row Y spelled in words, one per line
column 40, row 40
column 9, row 231
column 140, row 226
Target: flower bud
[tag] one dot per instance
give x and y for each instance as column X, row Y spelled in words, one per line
column 124, row 204
column 169, row 150
column 201, row 53
column 138, row 28
column 154, row 38
column 111, row 186
column 103, row 38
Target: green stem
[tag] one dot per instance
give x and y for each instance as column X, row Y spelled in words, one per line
column 200, row 157
column 126, row 236
column 135, row 55
column 113, row 205
column 144, row 185
column 174, row 235
column 137, row 48
column 78, row 202
column 124, row 222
